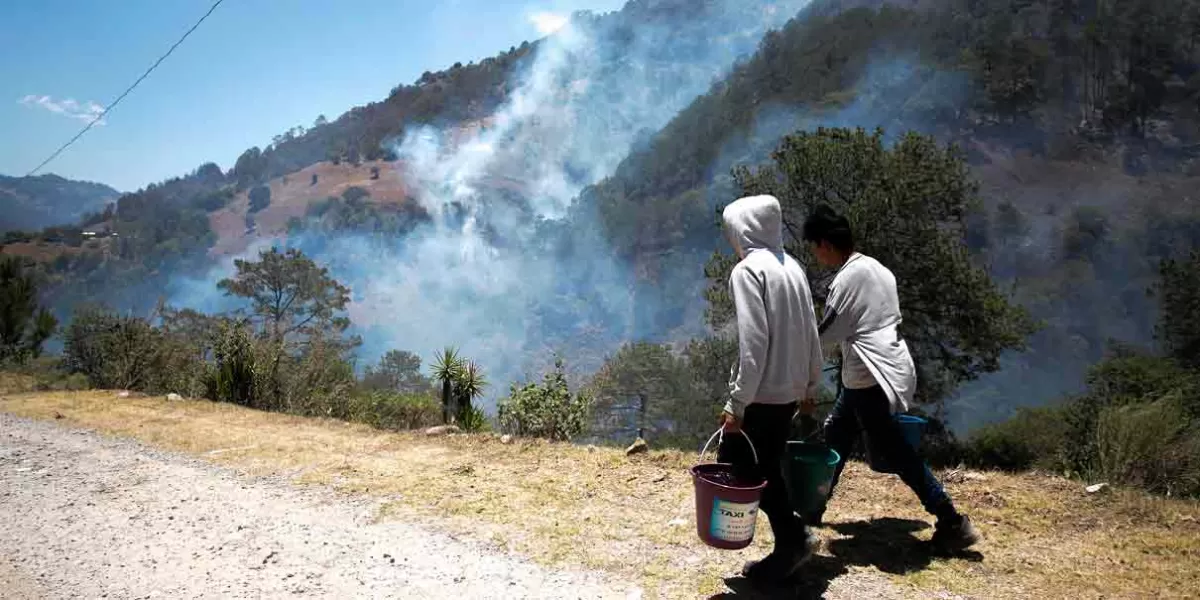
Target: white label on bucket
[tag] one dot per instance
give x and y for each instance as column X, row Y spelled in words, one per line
column 733, row 522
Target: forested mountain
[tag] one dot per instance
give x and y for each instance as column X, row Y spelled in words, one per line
column 31, row 203
column 1079, row 119
column 597, row 157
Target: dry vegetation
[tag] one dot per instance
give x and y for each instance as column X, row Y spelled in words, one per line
column 292, row 194
column 42, row 251
column 566, row 505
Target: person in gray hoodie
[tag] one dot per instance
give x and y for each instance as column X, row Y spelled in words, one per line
column 779, row 363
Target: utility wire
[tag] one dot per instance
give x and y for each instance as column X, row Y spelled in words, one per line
column 126, row 93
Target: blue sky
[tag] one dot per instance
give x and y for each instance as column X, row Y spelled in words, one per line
column 253, row 69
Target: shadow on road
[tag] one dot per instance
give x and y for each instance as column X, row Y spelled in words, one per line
column 888, row 544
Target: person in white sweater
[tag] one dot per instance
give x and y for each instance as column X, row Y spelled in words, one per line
column 779, row 363
column 879, row 378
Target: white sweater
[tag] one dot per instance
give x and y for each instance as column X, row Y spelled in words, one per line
column 863, row 316
column 779, row 349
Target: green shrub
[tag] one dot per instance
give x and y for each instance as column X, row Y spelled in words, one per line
column 1150, row 446
column 113, row 351
column 472, row 419
column 24, row 326
column 548, row 410
column 1127, row 377
column 71, row 382
column 42, row 374
column 233, row 377
column 1033, row 438
column 309, row 382
column 391, row 410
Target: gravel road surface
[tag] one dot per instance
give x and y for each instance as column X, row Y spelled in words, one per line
column 84, row 516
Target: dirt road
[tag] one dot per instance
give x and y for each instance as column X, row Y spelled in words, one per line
column 91, row 517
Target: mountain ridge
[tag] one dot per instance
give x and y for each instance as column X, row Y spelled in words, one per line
column 34, row 202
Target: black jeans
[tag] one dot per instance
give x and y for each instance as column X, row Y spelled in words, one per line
column 769, row 426
column 867, row 410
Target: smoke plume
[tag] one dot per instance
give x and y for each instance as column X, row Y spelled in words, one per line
column 511, row 269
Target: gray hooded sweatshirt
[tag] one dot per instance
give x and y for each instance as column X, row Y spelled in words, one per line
column 779, row 349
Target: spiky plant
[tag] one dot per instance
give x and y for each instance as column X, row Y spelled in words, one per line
column 449, row 368
column 470, row 385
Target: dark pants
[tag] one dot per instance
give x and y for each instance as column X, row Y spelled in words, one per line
column 868, row 410
column 769, row 426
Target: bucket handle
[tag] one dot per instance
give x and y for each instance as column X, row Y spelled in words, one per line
column 720, row 436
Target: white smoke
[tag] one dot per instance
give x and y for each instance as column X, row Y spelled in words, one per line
column 548, row 23
column 494, row 274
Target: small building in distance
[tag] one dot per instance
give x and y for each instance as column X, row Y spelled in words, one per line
column 99, row 230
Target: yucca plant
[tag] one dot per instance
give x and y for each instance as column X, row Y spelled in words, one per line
column 472, row 419
column 448, row 369
column 470, row 385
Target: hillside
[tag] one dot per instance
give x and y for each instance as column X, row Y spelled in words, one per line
column 291, row 197
column 564, row 110
column 600, row 156
column 31, row 203
column 632, row 518
column 1084, row 186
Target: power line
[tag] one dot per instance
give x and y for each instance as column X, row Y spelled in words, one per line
column 126, row 93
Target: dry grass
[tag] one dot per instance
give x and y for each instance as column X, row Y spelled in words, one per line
column 565, row 505
column 16, row 383
column 40, row 251
column 291, row 195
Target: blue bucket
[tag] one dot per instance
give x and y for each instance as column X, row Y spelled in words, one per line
column 912, row 428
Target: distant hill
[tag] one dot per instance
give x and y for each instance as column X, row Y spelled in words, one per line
column 30, row 203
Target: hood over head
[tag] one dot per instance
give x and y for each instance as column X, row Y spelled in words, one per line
column 755, row 223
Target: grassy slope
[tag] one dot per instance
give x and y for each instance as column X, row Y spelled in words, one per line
column 292, row 194
column 570, row 505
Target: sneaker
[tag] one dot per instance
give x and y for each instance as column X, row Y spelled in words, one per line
column 955, row 533
column 782, row 563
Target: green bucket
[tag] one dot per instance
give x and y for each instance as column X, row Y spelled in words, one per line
column 807, row 471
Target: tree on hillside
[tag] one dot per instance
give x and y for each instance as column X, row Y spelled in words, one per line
column 907, row 205
column 24, row 327
column 250, row 168
column 681, row 394
column 260, row 198
column 644, row 373
column 1179, row 298
column 1085, row 234
column 355, row 193
column 290, row 295
column 209, row 174
column 398, row 371
column 298, row 309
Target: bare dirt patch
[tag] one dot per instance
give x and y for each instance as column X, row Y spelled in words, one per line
column 292, row 194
